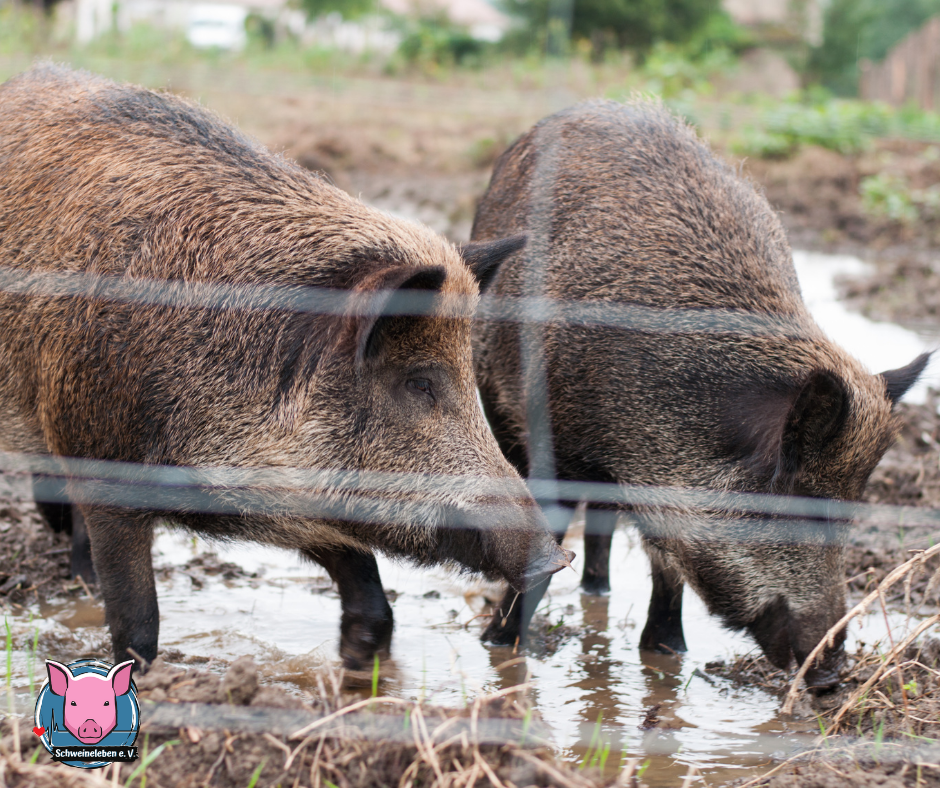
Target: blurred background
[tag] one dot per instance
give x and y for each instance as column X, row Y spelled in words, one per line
column 830, row 103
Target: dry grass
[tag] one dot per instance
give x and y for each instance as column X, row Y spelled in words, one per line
column 348, row 742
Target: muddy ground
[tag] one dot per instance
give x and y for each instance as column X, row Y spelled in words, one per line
column 428, row 156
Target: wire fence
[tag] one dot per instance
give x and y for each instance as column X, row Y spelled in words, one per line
column 404, row 498
column 313, row 491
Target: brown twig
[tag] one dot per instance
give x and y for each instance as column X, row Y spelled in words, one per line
column 881, row 669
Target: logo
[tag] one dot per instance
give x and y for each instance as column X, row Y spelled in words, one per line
column 87, row 713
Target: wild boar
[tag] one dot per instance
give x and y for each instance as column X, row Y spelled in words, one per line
column 135, row 192
column 725, row 384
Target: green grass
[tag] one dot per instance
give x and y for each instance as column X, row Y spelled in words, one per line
column 146, row 760
column 594, row 745
column 9, row 644
column 31, row 653
column 256, row 774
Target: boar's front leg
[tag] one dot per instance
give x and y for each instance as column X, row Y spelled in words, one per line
column 663, row 630
column 120, row 542
column 598, row 533
column 367, row 622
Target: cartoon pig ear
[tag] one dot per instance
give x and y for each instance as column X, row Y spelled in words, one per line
column 120, row 677
column 59, row 677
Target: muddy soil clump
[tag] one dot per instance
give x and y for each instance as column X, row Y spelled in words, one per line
column 233, row 753
column 34, row 560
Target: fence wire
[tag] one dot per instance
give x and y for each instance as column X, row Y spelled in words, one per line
column 350, row 494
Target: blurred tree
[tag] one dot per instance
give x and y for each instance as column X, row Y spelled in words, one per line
column 629, row 23
column 348, row 9
column 856, row 29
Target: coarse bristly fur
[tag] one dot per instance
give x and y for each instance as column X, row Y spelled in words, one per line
column 114, row 181
column 622, row 204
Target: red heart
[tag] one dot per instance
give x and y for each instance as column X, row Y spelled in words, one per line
column 39, row 731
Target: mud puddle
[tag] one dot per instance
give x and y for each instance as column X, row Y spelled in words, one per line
column 589, row 682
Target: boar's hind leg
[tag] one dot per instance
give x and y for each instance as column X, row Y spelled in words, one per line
column 598, row 533
column 663, row 630
column 64, row 517
column 366, row 624
column 121, row 542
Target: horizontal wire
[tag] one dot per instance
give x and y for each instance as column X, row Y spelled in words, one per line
column 228, row 490
column 180, row 294
column 338, row 493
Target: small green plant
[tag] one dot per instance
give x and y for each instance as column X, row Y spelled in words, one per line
column 31, row 653
column 526, row 722
column 642, row 770
column 256, row 774
column 594, row 743
column 6, row 624
column 433, row 44
column 146, row 760
column 600, row 759
column 375, row 677
column 887, row 196
column 879, row 739
column 557, row 625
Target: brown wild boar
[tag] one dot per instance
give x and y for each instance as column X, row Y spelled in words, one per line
column 122, row 186
column 729, row 385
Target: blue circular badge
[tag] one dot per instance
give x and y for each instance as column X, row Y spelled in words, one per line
column 87, row 713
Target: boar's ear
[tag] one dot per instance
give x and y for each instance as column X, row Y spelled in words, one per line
column 397, row 300
column 898, row 381
column 483, row 258
column 817, row 415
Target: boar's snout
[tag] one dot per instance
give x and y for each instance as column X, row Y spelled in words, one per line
column 784, row 637
column 823, row 675
column 543, row 566
column 517, row 543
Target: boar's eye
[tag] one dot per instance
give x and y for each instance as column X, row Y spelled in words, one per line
column 419, row 384
column 107, row 703
column 74, row 703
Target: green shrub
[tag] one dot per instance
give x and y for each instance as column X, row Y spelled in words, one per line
column 844, row 126
column 764, row 145
column 439, row 43
column 889, row 196
column 638, row 24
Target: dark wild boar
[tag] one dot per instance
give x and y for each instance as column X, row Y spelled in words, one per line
column 134, row 187
column 624, row 207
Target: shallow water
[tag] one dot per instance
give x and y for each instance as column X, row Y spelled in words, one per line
column 587, row 670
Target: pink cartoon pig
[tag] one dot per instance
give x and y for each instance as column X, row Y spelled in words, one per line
column 90, row 705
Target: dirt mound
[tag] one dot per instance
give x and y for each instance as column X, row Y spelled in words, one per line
column 203, row 729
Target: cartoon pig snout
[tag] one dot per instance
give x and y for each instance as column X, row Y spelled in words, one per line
column 90, row 699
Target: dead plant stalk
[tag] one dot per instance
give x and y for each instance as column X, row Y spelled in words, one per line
column 828, row 640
